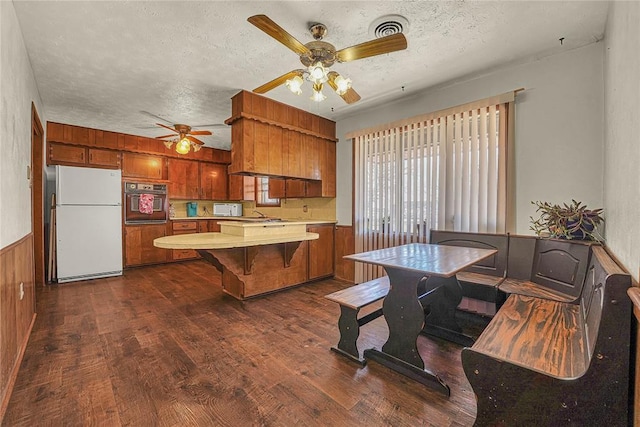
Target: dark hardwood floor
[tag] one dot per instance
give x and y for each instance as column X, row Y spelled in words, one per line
column 165, row 346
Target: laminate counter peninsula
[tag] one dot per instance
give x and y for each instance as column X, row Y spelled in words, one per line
column 254, row 256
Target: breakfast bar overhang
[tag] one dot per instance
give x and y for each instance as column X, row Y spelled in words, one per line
column 254, row 258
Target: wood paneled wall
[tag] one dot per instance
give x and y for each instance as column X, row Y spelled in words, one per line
column 17, row 312
column 345, row 245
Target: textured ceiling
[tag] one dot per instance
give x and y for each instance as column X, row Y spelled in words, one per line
column 115, row 65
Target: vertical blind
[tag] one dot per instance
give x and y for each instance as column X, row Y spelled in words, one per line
column 444, row 170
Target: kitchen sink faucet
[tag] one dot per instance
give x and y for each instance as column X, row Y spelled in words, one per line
column 260, row 213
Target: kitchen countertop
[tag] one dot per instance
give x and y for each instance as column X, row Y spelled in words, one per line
column 254, row 219
column 226, row 241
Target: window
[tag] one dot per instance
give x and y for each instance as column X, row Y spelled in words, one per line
column 262, row 193
column 444, row 171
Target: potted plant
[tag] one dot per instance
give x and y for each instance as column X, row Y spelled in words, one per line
column 569, row 221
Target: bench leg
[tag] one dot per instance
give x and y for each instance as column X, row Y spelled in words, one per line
column 349, row 332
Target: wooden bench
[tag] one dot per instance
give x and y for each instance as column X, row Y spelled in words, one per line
column 481, row 280
column 546, row 268
column 352, row 300
column 546, row 362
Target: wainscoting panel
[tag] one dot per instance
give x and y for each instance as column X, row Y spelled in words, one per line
column 17, row 311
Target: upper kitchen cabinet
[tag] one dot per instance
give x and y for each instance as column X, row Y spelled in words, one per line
column 70, row 155
column 273, row 139
column 213, row 181
column 73, row 155
column 145, row 166
column 242, row 188
column 277, row 188
column 327, row 186
column 184, row 179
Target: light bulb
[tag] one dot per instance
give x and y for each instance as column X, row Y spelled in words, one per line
column 342, row 85
column 295, row 85
column 183, row 146
column 168, row 144
column 196, row 148
column 317, row 73
column 318, row 96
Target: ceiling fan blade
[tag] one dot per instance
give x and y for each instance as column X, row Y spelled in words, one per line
column 167, row 127
column 211, row 125
column 350, row 96
column 264, row 23
column 195, row 140
column 375, row 47
column 165, row 136
column 200, row 132
column 155, row 116
column 278, row 81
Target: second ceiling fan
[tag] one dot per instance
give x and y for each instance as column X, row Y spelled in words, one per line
column 319, row 55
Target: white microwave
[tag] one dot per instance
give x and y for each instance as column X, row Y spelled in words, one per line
column 227, row 209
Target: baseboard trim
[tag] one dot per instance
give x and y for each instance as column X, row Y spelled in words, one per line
column 14, row 371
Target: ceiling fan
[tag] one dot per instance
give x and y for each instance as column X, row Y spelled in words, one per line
column 184, row 139
column 319, row 55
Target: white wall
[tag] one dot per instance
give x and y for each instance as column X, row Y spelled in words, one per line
column 559, row 128
column 17, row 90
column 622, row 133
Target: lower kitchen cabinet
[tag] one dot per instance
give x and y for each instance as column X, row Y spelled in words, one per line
column 321, row 251
column 138, row 244
column 184, row 227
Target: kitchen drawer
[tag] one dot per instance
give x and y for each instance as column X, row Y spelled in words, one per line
column 185, row 225
column 178, row 254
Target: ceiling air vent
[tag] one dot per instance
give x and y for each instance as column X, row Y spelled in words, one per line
column 388, row 25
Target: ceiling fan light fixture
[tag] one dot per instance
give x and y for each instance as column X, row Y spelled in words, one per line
column 183, row 146
column 168, row 143
column 342, row 84
column 317, row 95
column 196, row 148
column 295, row 84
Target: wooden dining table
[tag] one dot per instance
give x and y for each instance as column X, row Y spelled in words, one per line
column 420, row 276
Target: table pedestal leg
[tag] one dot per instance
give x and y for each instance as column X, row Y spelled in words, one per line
column 405, row 317
column 441, row 321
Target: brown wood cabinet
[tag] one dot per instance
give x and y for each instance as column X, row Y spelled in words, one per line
column 242, row 188
column 208, row 226
column 295, row 188
column 184, row 179
column 184, row 227
column 273, row 139
column 321, row 251
column 104, row 158
column 74, row 155
column 62, row 154
column 135, row 165
column 138, row 245
column 277, row 188
column 213, row 181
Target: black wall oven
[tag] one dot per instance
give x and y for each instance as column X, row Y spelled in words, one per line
column 132, row 211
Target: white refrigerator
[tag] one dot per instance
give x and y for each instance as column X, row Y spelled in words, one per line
column 88, row 223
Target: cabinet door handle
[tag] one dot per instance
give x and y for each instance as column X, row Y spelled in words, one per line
column 91, row 157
